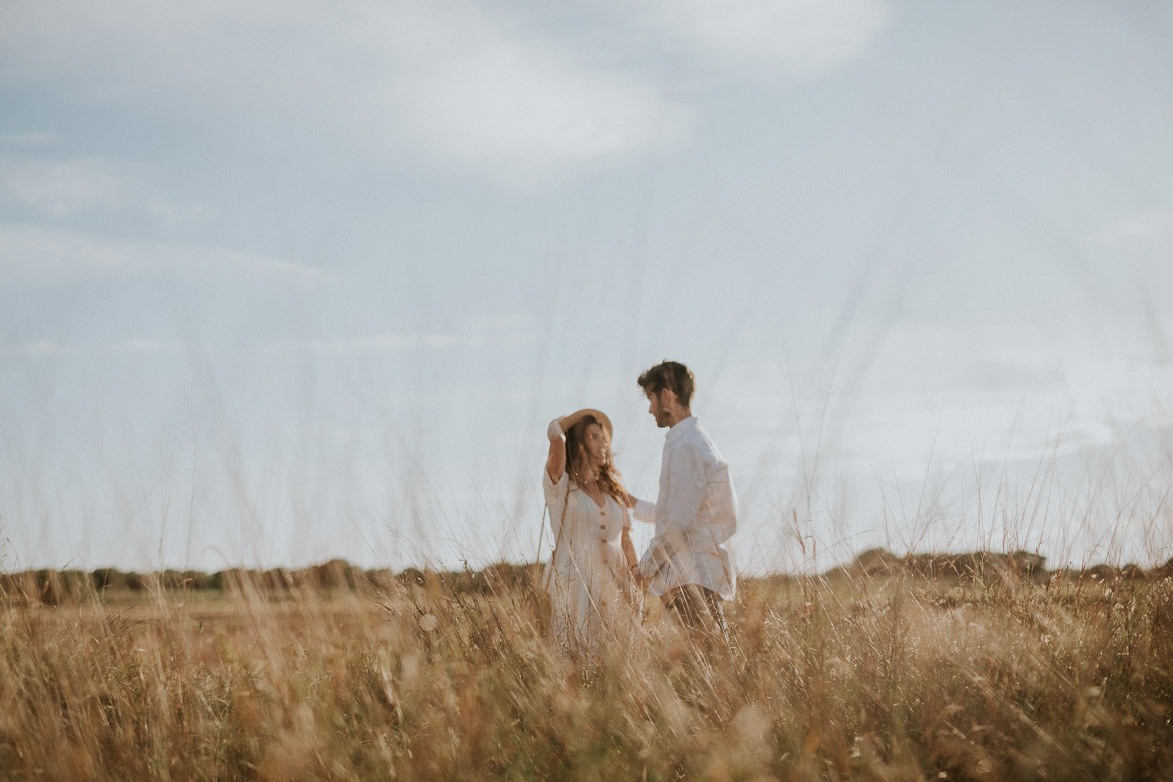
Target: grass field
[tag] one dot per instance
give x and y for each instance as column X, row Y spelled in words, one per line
column 849, row 676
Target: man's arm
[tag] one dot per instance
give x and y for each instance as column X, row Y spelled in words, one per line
column 678, row 505
column 642, row 510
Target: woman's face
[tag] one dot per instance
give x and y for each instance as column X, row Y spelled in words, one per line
column 594, row 441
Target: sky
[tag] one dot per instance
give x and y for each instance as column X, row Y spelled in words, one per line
column 288, row 281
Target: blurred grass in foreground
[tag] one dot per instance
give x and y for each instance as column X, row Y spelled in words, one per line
column 874, row 671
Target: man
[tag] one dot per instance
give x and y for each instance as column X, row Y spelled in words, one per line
column 688, row 564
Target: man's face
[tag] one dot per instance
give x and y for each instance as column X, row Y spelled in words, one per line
column 657, row 406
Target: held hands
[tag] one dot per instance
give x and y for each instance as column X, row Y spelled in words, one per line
column 638, row 578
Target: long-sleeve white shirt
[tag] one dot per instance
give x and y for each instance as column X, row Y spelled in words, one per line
column 695, row 514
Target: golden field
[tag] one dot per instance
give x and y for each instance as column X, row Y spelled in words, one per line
column 879, row 671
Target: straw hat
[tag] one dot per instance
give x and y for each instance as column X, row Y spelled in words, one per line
column 575, row 417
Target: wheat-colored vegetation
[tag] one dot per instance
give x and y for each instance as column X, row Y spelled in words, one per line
column 978, row 667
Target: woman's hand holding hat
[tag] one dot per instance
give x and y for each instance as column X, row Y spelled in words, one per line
column 554, row 431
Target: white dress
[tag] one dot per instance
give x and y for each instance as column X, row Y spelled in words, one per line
column 587, row 575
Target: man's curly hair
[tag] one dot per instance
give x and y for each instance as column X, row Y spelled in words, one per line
column 671, row 375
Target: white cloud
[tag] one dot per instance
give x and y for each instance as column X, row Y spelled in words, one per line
column 442, row 79
column 41, row 138
column 1133, row 253
column 1145, row 227
column 378, row 343
column 475, row 336
column 141, row 345
column 39, row 256
column 488, row 95
column 40, row 347
column 44, row 347
column 800, row 37
column 61, row 188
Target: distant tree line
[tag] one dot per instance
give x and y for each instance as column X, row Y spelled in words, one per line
column 53, row 587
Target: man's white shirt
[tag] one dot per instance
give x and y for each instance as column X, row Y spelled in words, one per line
column 695, row 515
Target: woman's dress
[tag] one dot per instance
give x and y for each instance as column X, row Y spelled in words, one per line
column 587, row 576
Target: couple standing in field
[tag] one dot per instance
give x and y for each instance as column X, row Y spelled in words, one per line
column 688, row 564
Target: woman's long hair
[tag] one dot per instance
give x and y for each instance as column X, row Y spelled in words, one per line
column 609, row 477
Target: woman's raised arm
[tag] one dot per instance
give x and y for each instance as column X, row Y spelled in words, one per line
column 556, row 461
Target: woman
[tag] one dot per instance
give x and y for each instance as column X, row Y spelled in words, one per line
column 594, row 561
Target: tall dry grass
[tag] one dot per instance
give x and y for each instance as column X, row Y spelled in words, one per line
column 890, row 678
